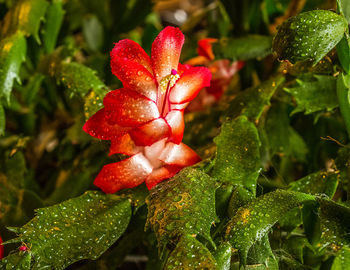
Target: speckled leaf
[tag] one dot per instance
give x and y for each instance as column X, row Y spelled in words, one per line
column 20, row 261
column 318, row 182
column 12, row 54
column 222, row 256
column 190, row 254
column 342, row 261
column 238, row 156
column 244, row 48
column 253, row 221
column 309, row 35
column 54, row 19
column 314, row 93
column 25, row 16
column 183, row 205
column 282, row 139
column 335, row 223
column 83, row 81
column 252, row 101
column 260, row 252
column 80, row 228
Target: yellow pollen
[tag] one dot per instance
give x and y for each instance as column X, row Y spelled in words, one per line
column 169, row 79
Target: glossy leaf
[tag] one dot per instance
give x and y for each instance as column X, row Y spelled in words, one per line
column 244, row 48
column 343, row 51
column 80, row 228
column 190, row 254
column 335, row 220
column 342, row 261
column 183, row 205
column 25, row 16
column 252, row 102
column 222, row 256
column 344, row 6
column 54, row 19
column 17, row 261
column 316, row 183
column 238, row 156
column 254, row 220
column 12, row 54
column 314, row 94
column 309, row 35
column 343, row 93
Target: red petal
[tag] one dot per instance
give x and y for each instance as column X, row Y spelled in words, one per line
column 151, row 132
column 166, row 50
column 179, row 154
column 132, row 51
column 135, row 76
column 175, row 119
column 153, row 151
column 97, row 126
column 127, row 173
column 189, row 84
column 129, row 108
column 1, row 249
column 161, row 174
column 124, row 145
column 205, row 49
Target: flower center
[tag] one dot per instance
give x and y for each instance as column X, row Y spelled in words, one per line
column 168, row 81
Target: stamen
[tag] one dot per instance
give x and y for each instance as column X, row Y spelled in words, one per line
column 168, row 81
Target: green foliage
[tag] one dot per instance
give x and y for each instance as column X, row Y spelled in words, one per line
column 342, row 261
column 244, row 48
column 184, row 205
column 76, row 229
column 314, row 93
column 190, row 254
column 254, row 220
column 309, row 35
column 12, row 54
column 238, row 156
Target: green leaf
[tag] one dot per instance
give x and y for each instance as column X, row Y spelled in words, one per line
column 54, row 19
column 80, row 228
column 244, row 48
column 184, row 205
column 314, row 93
column 93, row 33
column 318, row 182
column 335, row 222
column 222, row 256
column 282, row 138
column 343, row 51
column 309, row 35
column 238, row 157
column 12, row 54
column 343, row 93
column 342, row 261
column 344, row 6
column 253, row 221
column 261, row 253
column 2, row 120
column 190, row 254
column 253, row 101
column 25, row 16
column 21, row 261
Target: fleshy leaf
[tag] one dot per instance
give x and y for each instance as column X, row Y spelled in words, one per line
column 342, row 261
column 25, row 16
column 314, row 94
column 252, row 101
column 318, row 182
column 184, row 205
column 190, row 254
column 238, row 156
column 54, row 19
column 17, row 261
column 244, row 48
column 253, row 221
column 309, row 35
column 80, row 228
column 222, row 256
column 335, row 223
column 12, row 54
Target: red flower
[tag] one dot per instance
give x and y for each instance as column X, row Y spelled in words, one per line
column 145, row 118
column 222, row 71
column 1, row 249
